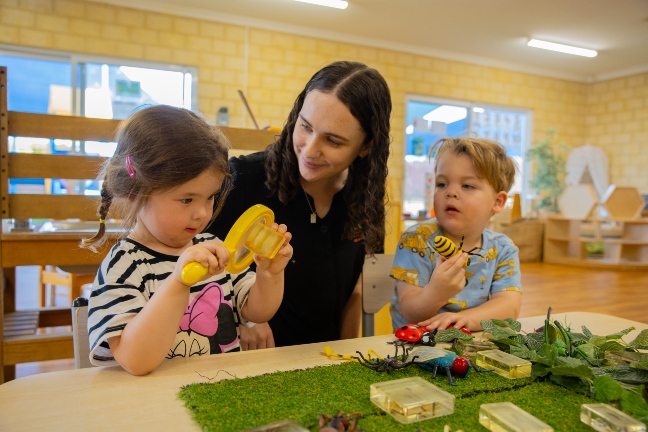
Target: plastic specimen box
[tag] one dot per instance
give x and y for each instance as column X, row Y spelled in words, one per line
column 504, row 364
column 604, row 417
column 409, row 400
column 471, row 348
column 508, row 417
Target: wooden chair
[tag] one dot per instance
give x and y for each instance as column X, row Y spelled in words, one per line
column 80, row 333
column 19, row 330
column 377, row 288
column 72, row 278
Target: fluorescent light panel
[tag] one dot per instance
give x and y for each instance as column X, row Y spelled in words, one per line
column 536, row 43
column 339, row 4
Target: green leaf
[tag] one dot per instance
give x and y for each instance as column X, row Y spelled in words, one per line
column 449, row 334
column 634, row 402
column 572, row 383
column 598, row 340
column 546, row 355
column 607, row 389
column 578, row 337
column 515, row 325
column 625, row 374
column 641, row 341
column 552, row 331
column 522, row 352
column 502, row 333
column 539, row 370
column 612, row 345
column 589, row 349
column 488, row 326
column 586, row 332
column 569, row 361
column 643, row 365
column 534, row 340
column 580, row 371
column 619, row 334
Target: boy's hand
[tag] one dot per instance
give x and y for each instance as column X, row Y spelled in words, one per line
column 445, row 320
column 449, row 276
column 213, row 255
column 279, row 262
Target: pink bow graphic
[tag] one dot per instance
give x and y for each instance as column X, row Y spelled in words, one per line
column 201, row 314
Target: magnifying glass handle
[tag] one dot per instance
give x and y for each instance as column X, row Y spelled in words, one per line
column 193, row 272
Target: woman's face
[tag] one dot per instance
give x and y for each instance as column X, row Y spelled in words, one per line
column 327, row 138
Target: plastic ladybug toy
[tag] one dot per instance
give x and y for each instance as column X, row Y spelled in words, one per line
column 415, row 334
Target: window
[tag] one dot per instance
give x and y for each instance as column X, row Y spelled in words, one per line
column 42, row 82
column 428, row 119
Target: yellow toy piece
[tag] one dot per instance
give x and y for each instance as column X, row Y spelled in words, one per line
column 328, row 352
column 250, row 234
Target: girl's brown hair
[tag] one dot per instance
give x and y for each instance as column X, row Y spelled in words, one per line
column 159, row 147
column 364, row 91
column 489, row 158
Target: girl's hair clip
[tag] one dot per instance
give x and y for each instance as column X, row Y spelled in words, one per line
column 129, row 167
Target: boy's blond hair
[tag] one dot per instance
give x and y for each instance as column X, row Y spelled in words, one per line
column 489, row 158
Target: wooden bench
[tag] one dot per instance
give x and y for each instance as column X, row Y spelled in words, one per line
column 23, row 339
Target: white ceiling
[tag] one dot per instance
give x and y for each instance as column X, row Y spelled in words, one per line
column 486, row 32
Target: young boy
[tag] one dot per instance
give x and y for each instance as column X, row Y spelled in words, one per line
column 472, row 180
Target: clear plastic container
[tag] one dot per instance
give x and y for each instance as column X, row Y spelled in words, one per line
column 606, row 418
column 508, row 417
column 410, row 400
column 504, row 364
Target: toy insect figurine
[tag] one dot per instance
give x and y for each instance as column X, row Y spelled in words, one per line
column 340, row 422
column 452, row 363
column 414, row 334
column 446, row 248
column 388, row 363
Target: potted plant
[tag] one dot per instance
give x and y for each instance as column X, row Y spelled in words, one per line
column 550, row 168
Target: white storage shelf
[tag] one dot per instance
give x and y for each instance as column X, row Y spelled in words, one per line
column 618, row 244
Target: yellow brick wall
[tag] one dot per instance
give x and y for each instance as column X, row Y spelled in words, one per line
column 617, row 121
column 272, row 67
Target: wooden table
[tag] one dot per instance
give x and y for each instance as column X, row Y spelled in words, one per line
column 110, row 398
column 36, row 248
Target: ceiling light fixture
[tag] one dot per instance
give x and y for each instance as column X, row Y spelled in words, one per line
column 561, row 48
column 339, row 4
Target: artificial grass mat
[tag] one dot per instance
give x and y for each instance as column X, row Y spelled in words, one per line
column 239, row 404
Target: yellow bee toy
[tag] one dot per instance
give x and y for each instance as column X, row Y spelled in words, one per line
column 446, row 248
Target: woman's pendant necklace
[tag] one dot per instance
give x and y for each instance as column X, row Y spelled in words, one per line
column 313, row 216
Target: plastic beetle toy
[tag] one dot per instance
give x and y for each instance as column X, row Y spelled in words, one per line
column 452, row 363
column 414, row 334
column 388, row 363
column 340, row 422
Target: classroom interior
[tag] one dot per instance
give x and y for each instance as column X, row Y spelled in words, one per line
column 272, row 67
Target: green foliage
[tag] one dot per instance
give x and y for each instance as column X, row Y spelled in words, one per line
column 577, row 361
column 550, row 163
column 449, row 334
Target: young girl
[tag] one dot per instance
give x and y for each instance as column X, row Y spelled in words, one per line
column 166, row 171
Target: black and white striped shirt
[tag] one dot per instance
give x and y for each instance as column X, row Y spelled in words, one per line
column 128, row 278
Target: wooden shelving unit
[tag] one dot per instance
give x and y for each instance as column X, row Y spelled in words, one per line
column 601, row 243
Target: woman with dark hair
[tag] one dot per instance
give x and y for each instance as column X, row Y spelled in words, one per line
column 325, row 177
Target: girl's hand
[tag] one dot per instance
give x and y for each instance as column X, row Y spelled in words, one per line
column 279, row 262
column 445, row 320
column 449, row 276
column 213, row 255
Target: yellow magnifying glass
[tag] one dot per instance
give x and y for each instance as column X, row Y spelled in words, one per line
column 251, row 234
